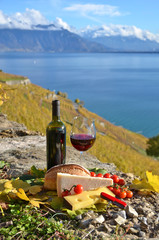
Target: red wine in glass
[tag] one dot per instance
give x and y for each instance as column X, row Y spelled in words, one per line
column 83, row 135
column 82, row 142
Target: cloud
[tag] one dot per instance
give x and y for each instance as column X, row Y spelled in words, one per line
column 61, row 24
column 119, row 30
column 24, row 20
column 94, row 9
column 3, row 19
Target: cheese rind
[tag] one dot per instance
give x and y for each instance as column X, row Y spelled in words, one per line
column 66, row 181
column 87, row 198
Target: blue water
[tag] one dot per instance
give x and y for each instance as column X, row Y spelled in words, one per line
column 123, row 88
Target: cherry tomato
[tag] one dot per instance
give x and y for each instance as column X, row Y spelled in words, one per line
column 65, row 193
column 121, row 182
column 110, row 188
column 122, row 194
column 93, row 174
column 116, row 191
column 99, row 175
column 115, row 178
column 78, row 189
column 129, row 194
column 107, row 175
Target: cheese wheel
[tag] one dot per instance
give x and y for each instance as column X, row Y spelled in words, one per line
column 73, row 169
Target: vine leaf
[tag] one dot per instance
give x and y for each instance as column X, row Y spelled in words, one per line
column 35, row 189
column 17, row 183
column 21, row 194
column 153, row 180
column 150, row 183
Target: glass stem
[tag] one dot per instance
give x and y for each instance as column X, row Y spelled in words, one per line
column 81, row 157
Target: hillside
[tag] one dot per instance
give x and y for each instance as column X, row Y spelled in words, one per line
column 9, row 77
column 31, row 105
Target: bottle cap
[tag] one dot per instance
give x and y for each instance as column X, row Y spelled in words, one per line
column 56, row 107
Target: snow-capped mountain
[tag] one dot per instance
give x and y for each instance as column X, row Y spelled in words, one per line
column 122, row 38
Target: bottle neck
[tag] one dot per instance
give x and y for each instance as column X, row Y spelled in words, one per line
column 56, row 110
column 55, row 118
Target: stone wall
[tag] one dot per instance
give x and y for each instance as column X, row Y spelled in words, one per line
column 22, row 81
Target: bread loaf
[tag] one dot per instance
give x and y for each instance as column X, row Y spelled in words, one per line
column 73, row 169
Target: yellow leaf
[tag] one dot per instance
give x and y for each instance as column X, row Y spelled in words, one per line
column 35, row 189
column 16, row 184
column 39, row 198
column 1, row 102
column 7, row 190
column 35, row 203
column 8, row 185
column 151, row 183
column 21, row 194
column 153, row 180
column 2, row 182
column 5, row 96
column 141, row 185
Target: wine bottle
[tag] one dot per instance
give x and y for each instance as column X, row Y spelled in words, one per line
column 55, row 138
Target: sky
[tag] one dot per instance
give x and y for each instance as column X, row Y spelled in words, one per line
column 144, row 14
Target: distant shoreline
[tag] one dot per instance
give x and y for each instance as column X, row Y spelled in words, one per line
column 65, row 52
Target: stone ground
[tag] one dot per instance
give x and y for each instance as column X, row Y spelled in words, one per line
column 22, row 149
column 25, row 151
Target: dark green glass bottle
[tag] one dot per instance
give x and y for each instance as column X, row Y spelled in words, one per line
column 55, row 138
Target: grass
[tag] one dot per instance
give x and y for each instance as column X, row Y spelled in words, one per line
column 9, row 77
column 31, row 106
column 27, row 222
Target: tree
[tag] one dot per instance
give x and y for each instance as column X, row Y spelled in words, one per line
column 153, row 146
column 77, row 101
column 80, row 103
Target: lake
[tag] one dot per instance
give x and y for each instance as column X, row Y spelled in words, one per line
column 121, row 87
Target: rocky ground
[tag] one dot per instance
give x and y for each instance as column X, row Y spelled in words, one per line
column 140, row 220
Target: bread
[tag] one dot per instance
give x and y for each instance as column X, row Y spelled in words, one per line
column 51, row 174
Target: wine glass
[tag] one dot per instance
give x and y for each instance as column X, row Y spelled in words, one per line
column 83, row 134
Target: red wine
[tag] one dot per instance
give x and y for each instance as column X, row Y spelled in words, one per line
column 56, row 138
column 82, row 142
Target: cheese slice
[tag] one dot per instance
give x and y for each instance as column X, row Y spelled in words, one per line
column 66, row 181
column 87, row 198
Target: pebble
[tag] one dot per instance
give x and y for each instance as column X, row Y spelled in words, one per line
column 131, row 212
column 85, row 223
column 120, row 220
column 100, row 219
column 122, row 214
column 142, row 234
column 78, row 217
column 133, row 230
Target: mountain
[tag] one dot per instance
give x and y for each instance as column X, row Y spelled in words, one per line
column 123, row 39
column 127, row 44
column 60, row 37
column 47, row 39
